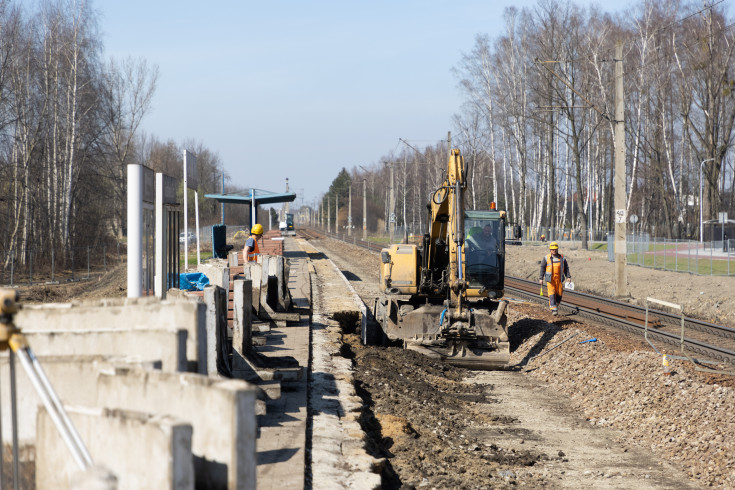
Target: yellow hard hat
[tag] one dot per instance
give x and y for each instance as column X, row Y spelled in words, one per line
column 553, row 246
column 257, row 229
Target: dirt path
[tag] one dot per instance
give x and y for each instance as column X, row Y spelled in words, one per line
column 444, row 427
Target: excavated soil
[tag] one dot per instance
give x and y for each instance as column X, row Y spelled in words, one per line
column 568, row 413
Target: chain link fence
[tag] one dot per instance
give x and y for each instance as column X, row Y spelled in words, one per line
column 711, row 258
column 44, row 266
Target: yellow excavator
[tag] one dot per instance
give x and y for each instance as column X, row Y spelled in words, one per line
column 445, row 297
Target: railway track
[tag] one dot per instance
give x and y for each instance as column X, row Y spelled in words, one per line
column 690, row 336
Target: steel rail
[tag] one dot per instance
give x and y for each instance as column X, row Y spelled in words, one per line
column 599, row 313
column 610, row 312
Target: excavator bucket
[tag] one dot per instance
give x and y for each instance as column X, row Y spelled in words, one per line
column 463, row 354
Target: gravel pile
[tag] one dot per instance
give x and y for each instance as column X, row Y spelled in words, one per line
column 681, row 417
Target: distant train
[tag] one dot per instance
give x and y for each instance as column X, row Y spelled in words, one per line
column 287, row 226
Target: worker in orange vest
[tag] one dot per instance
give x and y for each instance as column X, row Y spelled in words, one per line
column 554, row 271
column 252, row 250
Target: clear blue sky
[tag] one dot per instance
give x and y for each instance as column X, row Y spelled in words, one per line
column 300, row 89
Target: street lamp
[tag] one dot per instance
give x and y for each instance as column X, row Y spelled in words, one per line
column 364, row 204
column 701, row 182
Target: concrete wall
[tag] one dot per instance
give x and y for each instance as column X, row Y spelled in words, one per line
column 216, row 298
column 74, row 379
column 217, row 272
column 136, row 313
column 142, row 451
column 242, row 325
column 167, row 346
column 221, row 412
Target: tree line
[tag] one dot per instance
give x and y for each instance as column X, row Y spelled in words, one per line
column 69, row 126
column 536, row 126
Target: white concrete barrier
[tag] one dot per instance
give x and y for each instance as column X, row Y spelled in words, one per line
column 134, row 313
column 242, row 325
column 221, row 412
column 141, row 450
column 74, row 379
column 168, row 346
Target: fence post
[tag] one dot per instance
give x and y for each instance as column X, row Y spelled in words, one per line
column 30, row 267
column 71, row 249
column 664, row 247
column 87, row 262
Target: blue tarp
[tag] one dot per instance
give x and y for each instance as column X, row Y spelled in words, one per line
column 193, row 281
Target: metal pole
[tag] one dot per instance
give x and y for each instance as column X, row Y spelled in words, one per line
column 2, row 453
column 349, row 212
column 14, row 419
column 55, row 408
column 364, row 209
column 701, row 182
column 392, row 217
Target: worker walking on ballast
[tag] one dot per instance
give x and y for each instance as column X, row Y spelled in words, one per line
column 554, row 271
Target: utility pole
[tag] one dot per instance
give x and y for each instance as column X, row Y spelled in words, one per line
column 392, row 206
column 286, row 206
column 364, row 208
column 621, row 279
column 349, row 213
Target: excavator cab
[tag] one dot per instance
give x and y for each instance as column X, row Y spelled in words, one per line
column 484, row 252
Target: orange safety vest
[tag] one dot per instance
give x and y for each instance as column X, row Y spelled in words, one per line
column 253, row 255
column 555, row 267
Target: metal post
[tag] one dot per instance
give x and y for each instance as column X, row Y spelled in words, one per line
column 14, row 419
column 701, row 182
column 87, row 262
column 349, row 212
column 364, row 209
column 53, row 264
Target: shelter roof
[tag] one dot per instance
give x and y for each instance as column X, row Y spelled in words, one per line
column 247, row 195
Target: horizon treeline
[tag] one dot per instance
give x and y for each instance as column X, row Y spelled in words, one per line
column 70, row 123
column 537, row 123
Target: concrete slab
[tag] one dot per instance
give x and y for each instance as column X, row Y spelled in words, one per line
column 156, row 454
column 178, row 311
column 338, row 442
column 166, row 345
column 73, row 379
column 221, row 412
